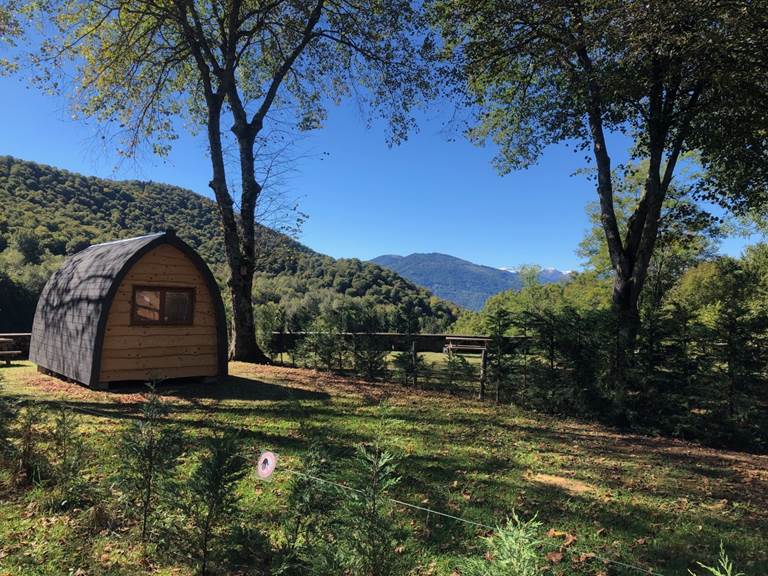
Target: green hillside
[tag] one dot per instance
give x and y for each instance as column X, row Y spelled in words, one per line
column 48, row 213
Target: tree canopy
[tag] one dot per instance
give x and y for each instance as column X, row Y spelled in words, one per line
column 675, row 76
column 142, row 65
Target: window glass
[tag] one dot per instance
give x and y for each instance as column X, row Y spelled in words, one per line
column 178, row 306
column 147, row 305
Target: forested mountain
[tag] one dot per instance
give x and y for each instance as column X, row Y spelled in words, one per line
column 467, row 284
column 48, row 213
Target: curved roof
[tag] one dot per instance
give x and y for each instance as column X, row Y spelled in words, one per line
column 71, row 313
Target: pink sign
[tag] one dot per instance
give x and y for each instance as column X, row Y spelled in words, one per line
column 266, row 464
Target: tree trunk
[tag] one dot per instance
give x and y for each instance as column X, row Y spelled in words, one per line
column 243, row 344
column 627, row 318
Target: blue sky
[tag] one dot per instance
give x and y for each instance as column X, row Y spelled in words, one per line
column 434, row 193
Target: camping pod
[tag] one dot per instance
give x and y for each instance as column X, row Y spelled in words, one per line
column 145, row 308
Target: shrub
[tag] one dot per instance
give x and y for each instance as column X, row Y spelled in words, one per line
column 513, row 550
column 724, row 566
column 32, row 465
column 370, row 543
column 7, row 415
column 69, row 453
column 269, row 319
column 369, row 356
column 323, row 348
column 409, row 366
column 210, row 499
column 499, row 365
column 457, row 370
column 309, row 521
column 149, row 450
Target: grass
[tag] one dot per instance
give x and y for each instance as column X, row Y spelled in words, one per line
column 657, row 503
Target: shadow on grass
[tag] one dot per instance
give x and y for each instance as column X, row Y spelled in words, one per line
column 232, row 388
column 15, row 364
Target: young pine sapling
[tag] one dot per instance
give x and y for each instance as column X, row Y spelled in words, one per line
column 7, row 416
column 513, row 550
column 69, row 452
column 211, row 497
column 309, row 521
column 31, row 460
column 370, row 541
column 149, row 450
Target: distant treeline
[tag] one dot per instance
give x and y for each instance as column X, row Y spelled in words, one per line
column 49, row 213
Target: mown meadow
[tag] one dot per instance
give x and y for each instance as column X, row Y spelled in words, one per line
column 589, row 498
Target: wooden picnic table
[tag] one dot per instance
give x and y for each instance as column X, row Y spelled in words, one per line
column 6, row 352
column 467, row 344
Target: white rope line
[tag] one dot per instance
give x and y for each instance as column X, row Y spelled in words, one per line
column 96, row 412
column 394, row 500
column 452, row 517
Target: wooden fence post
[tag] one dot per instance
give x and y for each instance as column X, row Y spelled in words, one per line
column 483, row 373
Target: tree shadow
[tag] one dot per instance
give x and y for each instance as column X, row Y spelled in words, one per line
column 230, row 388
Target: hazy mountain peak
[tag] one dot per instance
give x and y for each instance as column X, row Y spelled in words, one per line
column 463, row 282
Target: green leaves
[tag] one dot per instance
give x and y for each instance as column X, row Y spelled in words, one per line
column 369, row 533
column 210, row 496
column 141, row 65
column 513, row 550
column 724, row 566
column 149, row 450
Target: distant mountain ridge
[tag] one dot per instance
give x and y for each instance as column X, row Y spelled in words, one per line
column 459, row 281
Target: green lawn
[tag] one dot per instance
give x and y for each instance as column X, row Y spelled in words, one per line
column 652, row 502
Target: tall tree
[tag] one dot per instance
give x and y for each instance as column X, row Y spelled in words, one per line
column 687, row 233
column 9, row 30
column 674, row 75
column 141, row 64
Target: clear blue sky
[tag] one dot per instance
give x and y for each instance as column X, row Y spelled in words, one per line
column 430, row 194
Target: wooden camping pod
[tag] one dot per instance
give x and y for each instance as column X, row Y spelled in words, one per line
column 90, row 326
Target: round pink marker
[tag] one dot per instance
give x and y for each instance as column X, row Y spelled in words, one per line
column 266, row 464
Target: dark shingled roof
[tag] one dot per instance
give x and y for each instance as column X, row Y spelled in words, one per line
column 72, row 310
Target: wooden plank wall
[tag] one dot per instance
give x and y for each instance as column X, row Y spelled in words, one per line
column 158, row 352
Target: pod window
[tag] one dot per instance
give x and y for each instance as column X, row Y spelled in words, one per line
column 155, row 305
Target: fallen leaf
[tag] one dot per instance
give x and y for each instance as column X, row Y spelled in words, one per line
column 583, row 557
column 568, row 539
column 555, row 557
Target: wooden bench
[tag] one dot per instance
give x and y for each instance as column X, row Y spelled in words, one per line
column 465, row 344
column 8, row 354
column 5, row 350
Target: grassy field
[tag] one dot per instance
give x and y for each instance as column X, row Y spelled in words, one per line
column 656, row 503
